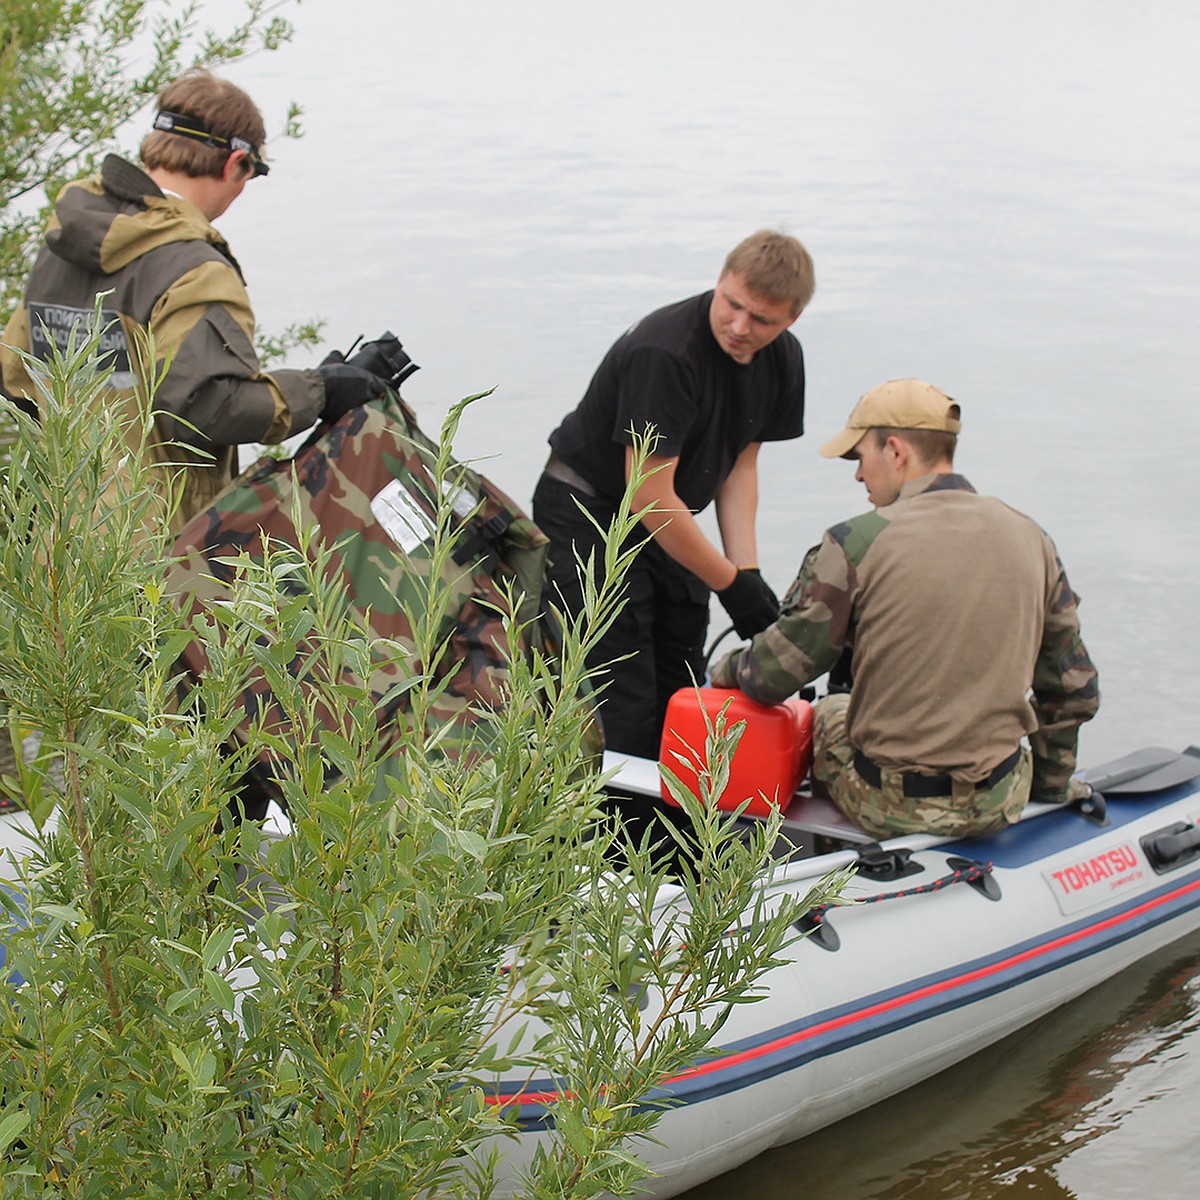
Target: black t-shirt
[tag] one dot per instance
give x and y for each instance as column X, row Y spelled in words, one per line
column 669, row 372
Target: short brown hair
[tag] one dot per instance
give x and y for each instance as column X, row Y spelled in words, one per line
column 932, row 446
column 776, row 266
column 218, row 104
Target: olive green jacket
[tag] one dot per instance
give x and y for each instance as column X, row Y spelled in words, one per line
column 172, row 284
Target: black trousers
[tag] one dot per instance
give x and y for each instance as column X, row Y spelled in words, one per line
column 656, row 644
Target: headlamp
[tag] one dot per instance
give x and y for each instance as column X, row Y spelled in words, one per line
column 191, row 127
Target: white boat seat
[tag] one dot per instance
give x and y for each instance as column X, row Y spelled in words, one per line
column 815, row 814
column 806, row 813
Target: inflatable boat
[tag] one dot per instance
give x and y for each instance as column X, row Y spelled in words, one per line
column 940, row 948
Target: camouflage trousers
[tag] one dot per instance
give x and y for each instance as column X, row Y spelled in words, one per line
column 886, row 811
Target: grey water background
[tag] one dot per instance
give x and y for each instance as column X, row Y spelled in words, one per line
column 1003, row 199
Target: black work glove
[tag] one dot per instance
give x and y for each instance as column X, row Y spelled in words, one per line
column 347, row 387
column 750, row 602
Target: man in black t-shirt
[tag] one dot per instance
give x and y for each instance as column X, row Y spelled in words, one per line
column 711, row 379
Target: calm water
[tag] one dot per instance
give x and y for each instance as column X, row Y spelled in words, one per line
column 1004, row 199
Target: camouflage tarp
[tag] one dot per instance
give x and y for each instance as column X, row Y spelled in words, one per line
column 366, row 486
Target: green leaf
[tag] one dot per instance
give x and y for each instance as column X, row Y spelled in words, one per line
column 473, row 844
column 66, row 913
column 183, row 1062
column 180, row 999
column 12, row 1124
column 218, row 945
column 220, row 991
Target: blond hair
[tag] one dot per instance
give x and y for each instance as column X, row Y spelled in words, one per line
column 776, row 266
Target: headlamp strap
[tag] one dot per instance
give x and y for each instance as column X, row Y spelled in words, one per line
column 192, row 127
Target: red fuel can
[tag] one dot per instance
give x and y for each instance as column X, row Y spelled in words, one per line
column 773, row 756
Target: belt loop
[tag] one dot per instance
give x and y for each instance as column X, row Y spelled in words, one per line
column 868, row 771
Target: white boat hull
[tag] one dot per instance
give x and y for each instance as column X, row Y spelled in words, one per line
column 922, row 981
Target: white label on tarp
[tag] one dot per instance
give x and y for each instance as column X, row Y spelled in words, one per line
column 405, row 521
column 1097, row 877
column 401, row 517
column 462, row 501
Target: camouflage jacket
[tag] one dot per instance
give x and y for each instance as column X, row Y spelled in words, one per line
column 170, row 276
column 964, row 632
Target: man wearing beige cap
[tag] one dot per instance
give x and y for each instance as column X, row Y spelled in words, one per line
column 970, row 676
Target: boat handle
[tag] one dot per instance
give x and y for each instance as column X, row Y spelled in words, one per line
column 1172, row 847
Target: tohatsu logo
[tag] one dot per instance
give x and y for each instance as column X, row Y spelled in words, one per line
column 1095, row 878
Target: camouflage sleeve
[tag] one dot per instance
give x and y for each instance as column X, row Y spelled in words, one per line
column 806, row 640
column 1065, row 689
column 214, row 392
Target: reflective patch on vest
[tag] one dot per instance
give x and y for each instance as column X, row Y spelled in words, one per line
column 61, row 327
column 1098, row 877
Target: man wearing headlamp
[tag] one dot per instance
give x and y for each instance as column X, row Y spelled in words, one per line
column 141, row 244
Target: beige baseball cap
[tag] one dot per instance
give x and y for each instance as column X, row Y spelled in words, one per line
column 897, row 404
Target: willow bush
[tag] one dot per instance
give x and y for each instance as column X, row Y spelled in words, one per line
column 197, row 1008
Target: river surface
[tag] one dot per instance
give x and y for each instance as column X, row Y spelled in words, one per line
column 1003, row 199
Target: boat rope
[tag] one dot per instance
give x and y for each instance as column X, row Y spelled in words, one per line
column 963, row 870
column 967, row 872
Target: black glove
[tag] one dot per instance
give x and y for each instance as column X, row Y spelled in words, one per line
column 347, row 387
column 750, row 602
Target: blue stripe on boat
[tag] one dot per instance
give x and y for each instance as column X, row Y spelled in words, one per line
column 787, row 1047
column 1050, row 834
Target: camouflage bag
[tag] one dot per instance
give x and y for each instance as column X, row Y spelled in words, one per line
column 366, row 486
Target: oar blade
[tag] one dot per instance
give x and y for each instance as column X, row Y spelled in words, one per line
column 1150, row 770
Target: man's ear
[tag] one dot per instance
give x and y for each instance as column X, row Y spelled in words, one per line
column 237, row 166
column 901, row 449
